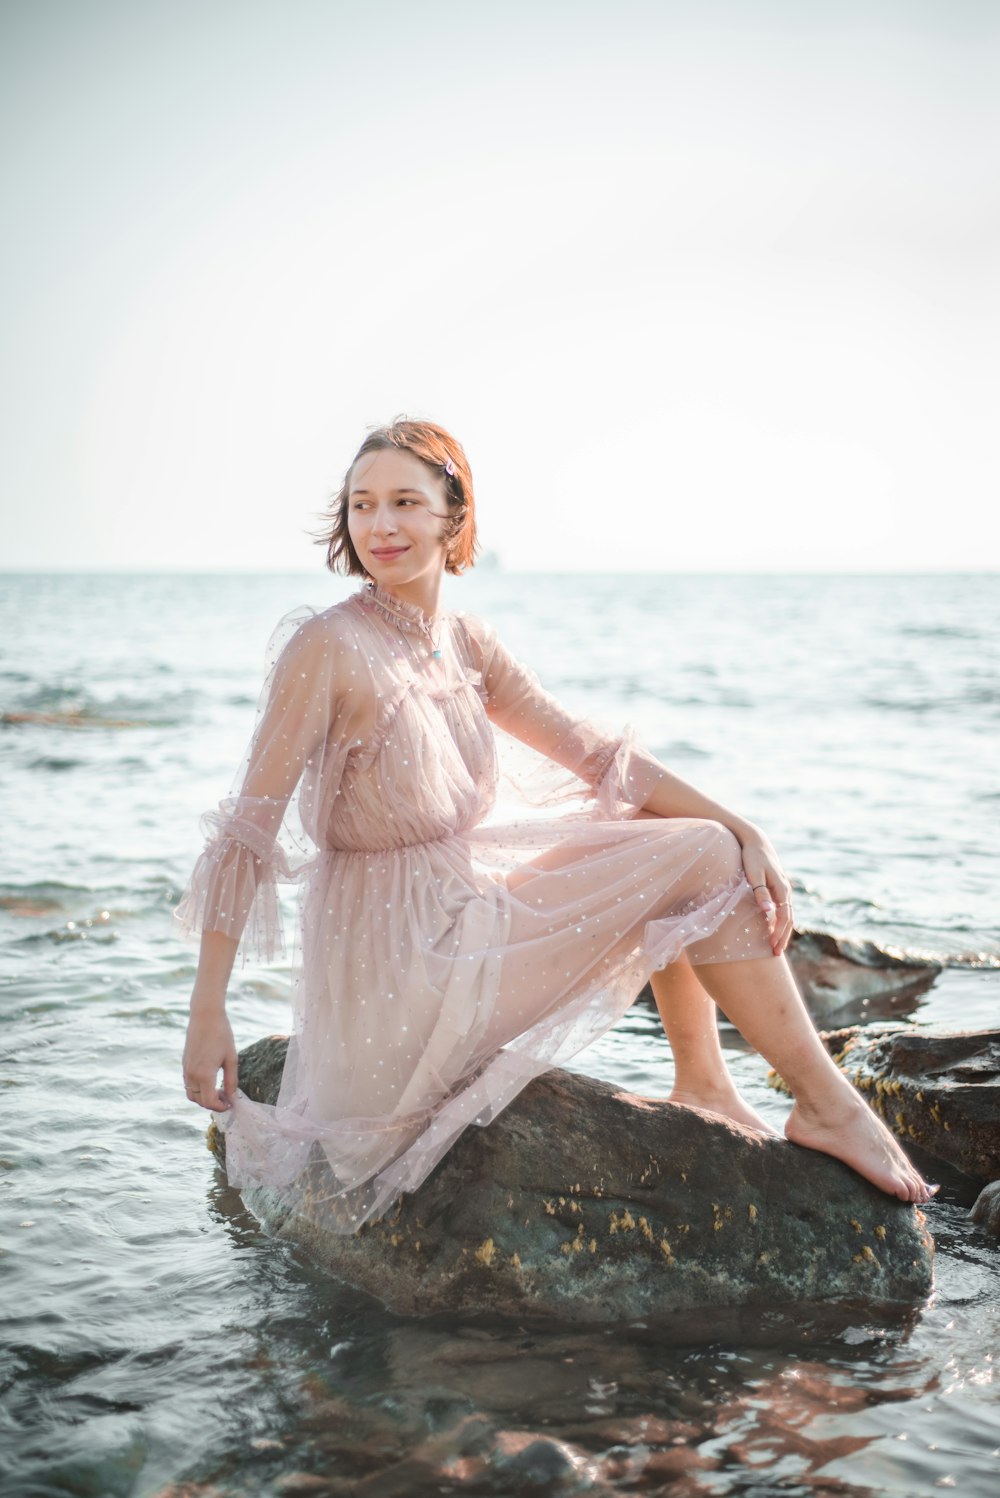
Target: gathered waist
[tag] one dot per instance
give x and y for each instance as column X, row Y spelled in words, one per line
column 425, row 842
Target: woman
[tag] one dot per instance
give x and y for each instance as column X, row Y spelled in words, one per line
column 446, row 958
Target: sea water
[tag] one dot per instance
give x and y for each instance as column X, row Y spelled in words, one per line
column 154, row 1334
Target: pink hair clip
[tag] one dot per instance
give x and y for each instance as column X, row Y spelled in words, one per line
column 449, row 468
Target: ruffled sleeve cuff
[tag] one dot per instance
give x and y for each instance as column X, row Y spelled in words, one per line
column 234, row 889
column 626, row 778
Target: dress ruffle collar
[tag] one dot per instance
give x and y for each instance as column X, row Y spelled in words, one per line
column 406, row 615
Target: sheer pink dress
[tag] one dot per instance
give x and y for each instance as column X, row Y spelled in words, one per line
column 451, row 948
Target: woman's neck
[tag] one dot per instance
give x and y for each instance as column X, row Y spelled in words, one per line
column 423, row 593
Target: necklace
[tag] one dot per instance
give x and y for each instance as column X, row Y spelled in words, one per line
column 406, row 616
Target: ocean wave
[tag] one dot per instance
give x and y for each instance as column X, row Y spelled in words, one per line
column 938, row 632
column 40, row 897
column 54, row 703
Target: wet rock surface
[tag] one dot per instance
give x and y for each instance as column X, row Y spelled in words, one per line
column 842, row 980
column 986, row 1211
column 837, row 977
column 584, row 1203
column 939, row 1091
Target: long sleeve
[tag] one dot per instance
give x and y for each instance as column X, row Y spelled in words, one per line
column 620, row 773
column 253, row 838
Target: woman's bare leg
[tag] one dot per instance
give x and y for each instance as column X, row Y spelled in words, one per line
column 759, row 996
column 701, row 1076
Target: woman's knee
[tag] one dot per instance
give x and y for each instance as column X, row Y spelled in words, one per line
column 722, row 846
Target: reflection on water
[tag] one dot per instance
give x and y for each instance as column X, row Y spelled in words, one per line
column 154, row 1332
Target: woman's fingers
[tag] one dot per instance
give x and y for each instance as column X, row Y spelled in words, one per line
column 774, row 899
column 229, row 1079
column 203, row 1091
column 783, row 927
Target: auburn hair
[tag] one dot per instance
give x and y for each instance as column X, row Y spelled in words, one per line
column 434, row 447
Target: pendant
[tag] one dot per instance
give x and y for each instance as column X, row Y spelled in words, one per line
column 436, row 654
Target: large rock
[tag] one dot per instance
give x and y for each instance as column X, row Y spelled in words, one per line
column 938, row 1090
column 584, row 1203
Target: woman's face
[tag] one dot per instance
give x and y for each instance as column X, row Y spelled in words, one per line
column 396, row 513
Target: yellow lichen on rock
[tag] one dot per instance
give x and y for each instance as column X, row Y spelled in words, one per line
column 486, row 1253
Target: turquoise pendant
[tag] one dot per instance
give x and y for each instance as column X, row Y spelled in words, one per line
column 437, row 655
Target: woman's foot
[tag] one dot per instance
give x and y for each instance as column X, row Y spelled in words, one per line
column 724, row 1100
column 854, row 1135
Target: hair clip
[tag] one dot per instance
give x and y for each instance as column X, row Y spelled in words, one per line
column 449, row 468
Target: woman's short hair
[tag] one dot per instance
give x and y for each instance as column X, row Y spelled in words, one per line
column 435, row 447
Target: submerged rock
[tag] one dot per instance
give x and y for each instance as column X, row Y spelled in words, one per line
column 837, row 977
column 937, row 1090
column 585, row 1203
column 986, row 1210
column 842, row 980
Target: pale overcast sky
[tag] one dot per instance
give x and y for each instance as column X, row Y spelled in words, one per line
column 698, row 286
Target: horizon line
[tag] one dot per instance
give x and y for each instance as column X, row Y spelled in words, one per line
column 494, row 571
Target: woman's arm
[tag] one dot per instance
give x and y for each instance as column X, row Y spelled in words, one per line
column 209, row 1044
column 519, row 704
column 233, row 889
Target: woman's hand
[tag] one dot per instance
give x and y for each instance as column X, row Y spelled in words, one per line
column 208, row 1046
column 771, row 888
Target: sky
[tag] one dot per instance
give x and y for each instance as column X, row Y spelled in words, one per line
column 699, row 287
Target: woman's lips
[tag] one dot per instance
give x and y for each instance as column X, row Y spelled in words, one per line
column 385, row 554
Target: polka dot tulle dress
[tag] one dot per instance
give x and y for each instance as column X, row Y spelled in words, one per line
column 459, row 931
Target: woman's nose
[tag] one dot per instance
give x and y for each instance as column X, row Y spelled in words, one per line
column 384, row 523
